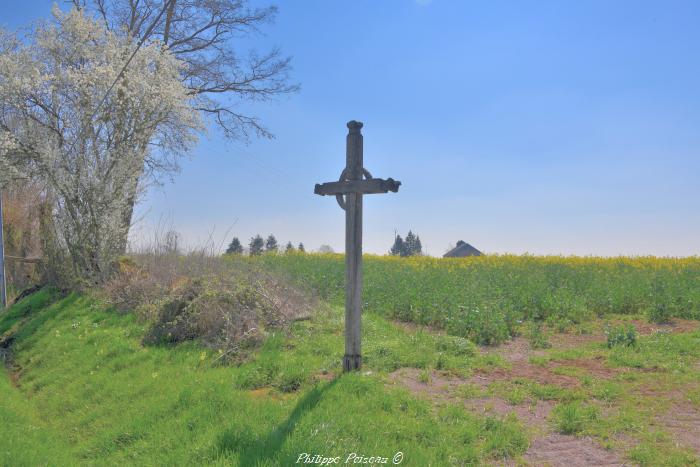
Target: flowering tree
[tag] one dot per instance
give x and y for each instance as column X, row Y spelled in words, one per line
column 91, row 153
column 206, row 36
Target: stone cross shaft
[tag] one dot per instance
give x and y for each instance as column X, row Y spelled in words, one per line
column 354, row 182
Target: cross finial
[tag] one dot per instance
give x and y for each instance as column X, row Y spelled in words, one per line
column 354, row 126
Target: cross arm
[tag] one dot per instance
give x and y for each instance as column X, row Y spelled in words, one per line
column 365, row 187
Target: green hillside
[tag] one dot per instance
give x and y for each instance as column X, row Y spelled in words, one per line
column 86, row 391
column 613, row 383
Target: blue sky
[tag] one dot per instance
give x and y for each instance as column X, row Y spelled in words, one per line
column 548, row 127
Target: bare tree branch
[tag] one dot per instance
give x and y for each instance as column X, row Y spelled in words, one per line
column 201, row 33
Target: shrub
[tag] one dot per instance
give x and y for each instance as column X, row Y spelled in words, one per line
column 456, row 345
column 225, row 305
column 659, row 313
column 256, row 376
column 621, row 335
column 132, row 287
column 290, row 381
column 536, row 337
column 485, row 326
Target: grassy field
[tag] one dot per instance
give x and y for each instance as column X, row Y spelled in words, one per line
column 599, row 385
column 87, row 388
column 486, row 298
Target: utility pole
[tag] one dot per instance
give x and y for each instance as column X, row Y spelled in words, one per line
column 3, row 281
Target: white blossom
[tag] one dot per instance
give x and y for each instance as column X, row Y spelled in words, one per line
column 92, row 157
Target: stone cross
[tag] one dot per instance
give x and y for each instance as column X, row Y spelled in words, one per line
column 348, row 190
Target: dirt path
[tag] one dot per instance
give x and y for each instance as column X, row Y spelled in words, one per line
column 682, row 420
column 555, row 450
column 547, row 448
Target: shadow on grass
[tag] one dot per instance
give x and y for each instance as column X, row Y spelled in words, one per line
column 27, row 317
column 263, row 451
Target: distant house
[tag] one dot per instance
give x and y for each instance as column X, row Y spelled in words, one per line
column 461, row 250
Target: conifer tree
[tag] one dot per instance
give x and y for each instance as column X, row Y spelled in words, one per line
column 256, row 245
column 289, row 247
column 409, row 244
column 397, row 247
column 301, row 248
column 235, row 247
column 418, row 247
column 271, row 244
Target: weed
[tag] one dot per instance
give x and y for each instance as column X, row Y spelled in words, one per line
column 258, row 375
column 424, row 376
column 624, row 335
column 441, row 363
column 659, row 313
column 456, row 346
column 536, row 337
column 574, row 417
column 291, row 380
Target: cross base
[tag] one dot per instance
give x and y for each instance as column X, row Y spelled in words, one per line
column 351, row 362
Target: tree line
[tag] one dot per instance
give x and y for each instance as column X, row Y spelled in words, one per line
column 257, row 246
column 409, row 246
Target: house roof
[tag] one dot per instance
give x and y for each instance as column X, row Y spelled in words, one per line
column 462, row 249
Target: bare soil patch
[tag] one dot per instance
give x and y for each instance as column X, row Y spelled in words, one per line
column 682, row 420
column 677, row 325
column 563, row 341
column 519, row 349
column 533, row 415
column 548, row 375
column 551, row 449
column 556, row 449
column 592, row 366
column 515, row 350
column 539, row 374
column 444, row 387
column 441, row 386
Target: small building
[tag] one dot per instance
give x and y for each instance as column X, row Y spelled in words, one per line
column 462, row 250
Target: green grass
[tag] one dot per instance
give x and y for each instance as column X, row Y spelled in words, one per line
column 90, row 393
column 24, row 438
column 86, row 391
column 574, row 417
